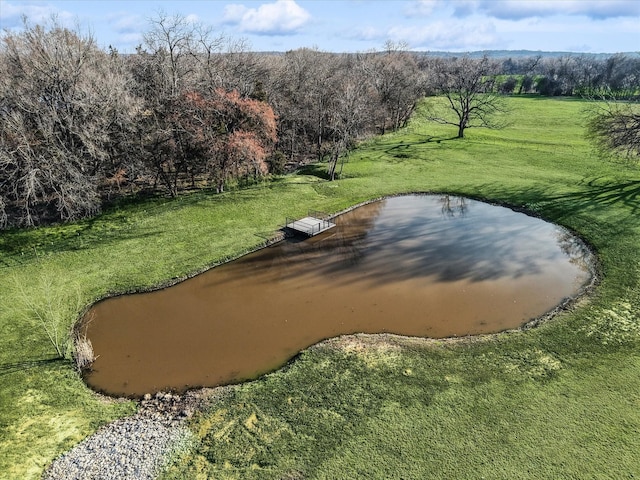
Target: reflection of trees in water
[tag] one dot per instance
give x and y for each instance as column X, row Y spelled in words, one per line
column 454, row 206
column 350, row 240
column 337, row 249
column 572, row 247
column 340, row 248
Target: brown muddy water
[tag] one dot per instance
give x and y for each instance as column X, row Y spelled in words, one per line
column 418, row 265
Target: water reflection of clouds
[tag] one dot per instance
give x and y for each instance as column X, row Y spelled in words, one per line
column 426, row 236
column 401, row 238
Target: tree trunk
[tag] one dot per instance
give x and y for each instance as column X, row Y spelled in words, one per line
column 332, row 166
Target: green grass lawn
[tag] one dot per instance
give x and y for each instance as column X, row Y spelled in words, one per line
column 559, row 401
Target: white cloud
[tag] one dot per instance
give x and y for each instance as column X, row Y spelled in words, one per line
column 520, row 9
column 422, row 8
column 425, row 8
column 36, row 13
column 596, row 9
column 447, row 36
column 364, row 33
column 279, row 18
column 192, row 18
column 126, row 23
column 464, row 8
column 233, row 13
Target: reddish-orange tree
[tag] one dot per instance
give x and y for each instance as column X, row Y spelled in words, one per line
column 223, row 135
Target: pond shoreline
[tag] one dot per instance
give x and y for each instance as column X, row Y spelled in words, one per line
column 139, row 446
column 587, row 259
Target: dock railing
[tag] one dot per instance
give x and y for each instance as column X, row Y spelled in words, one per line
column 316, row 222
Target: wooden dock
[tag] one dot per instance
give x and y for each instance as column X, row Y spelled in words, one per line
column 309, row 225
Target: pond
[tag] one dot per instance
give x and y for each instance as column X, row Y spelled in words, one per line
column 418, row 265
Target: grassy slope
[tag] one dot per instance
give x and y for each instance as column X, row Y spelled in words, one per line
column 559, row 401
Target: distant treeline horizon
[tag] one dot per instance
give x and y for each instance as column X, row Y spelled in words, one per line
column 494, row 54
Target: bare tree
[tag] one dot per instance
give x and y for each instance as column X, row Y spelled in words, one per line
column 301, row 96
column 80, row 125
column 467, row 86
column 527, row 67
column 53, row 308
column 615, row 76
column 61, row 102
column 350, row 111
column 616, row 127
column 184, row 72
column 621, row 75
column 172, row 42
column 165, row 67
column 242, row 70
column 399, row 84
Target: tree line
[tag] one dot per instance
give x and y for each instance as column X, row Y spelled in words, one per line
column 81, row 126
column 571, row 75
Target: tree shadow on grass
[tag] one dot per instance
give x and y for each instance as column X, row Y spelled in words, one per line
column 425, row 139
column 610, row 208
column 22, row 247
column 120, row 221
column 9, row 368
column 596, row 193
column 314, row 170
column 394, row 152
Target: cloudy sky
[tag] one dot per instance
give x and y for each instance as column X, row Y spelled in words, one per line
column 356, row 25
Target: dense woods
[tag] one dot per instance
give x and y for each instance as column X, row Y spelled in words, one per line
column 81, row 126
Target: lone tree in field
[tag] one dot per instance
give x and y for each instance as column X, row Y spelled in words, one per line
column 467, row 86
column 616, row 127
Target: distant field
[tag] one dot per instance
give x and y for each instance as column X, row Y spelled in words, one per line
column 559, row 401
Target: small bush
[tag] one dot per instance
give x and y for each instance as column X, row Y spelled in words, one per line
column 83, row 352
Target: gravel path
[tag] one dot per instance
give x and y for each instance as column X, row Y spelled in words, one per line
column 135, row 447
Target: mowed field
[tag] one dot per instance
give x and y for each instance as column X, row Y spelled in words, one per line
column 558, row 401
